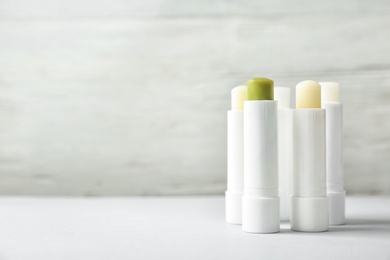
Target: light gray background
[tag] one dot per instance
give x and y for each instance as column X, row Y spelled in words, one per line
column 130, row 97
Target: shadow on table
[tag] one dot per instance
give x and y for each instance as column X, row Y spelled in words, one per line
column 358, row 226
column 363, row 222
column 364, row 226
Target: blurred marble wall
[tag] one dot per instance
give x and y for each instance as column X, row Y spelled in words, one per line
column 130, row 97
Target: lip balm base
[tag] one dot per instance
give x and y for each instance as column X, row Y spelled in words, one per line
column 336, row 208
column 233, row 207
column 309, row 214
column 260, row 215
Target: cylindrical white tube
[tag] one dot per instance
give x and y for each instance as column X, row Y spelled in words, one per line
column 283, row 96
column 235, row 167
column 285, row 160
column 334, row 155
column 235, row 156
column 260, row 200
column 309, row 203
column 334, row 146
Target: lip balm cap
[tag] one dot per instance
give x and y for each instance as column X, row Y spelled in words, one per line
column 233, row 207
column 260, row 89
column 309, row 214
column 283, row 96
column 260, row 214
column 330, row 92
column 336, row 208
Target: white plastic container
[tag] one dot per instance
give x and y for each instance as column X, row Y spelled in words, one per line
column 283, row 97
column 235, row 157
column 309, row 203
column 235, row 167
column 334, row 155
column 260, row 199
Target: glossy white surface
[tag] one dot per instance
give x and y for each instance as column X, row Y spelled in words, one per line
column 176, row 228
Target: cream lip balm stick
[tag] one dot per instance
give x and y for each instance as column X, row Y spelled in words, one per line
column 235, row 156
column 283, row 96
column 260, row 201
column 334, row 151
column 309, row 203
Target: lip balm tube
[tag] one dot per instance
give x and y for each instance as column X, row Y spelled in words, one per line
column 334, row 151
column 309, row 203
column 283, row 96
column 260, row 201
column 235, row 156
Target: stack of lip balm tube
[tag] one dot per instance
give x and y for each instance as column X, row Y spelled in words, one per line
column 285, row 164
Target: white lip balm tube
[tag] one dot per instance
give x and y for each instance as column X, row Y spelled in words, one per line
column 283, row 96
column 334, row 151
column 235, row 156
column 260, row 202
column 309, row 203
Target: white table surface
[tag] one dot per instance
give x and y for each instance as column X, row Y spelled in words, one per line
column 176, row 228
